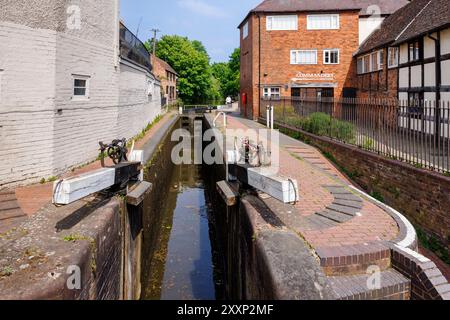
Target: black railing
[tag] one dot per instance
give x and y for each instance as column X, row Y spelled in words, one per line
column 133, row 49
column 417, row 132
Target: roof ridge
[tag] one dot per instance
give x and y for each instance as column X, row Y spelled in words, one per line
column 412, row 20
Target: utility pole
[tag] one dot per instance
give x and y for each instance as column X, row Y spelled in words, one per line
column 155, row 31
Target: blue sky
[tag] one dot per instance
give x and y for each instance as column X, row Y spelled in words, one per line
column 214, row 22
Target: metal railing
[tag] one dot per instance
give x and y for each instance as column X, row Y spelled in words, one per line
column 413, row 131
column 133, row 49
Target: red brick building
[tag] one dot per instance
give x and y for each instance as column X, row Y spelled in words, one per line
column 409, row 56
column 168, row 77
column 305, row 48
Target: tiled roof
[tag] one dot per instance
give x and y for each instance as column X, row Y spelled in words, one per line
column 415, row 19
column 165, row 65
column 386, row 6
column 392, row 26
column 367, row 7
column 435, row 15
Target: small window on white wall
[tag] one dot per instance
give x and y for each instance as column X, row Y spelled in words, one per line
column 323, row 22
column 245, row 31
column 303, row 56
column 331, row 56
column 80, row 86
column 282, row 23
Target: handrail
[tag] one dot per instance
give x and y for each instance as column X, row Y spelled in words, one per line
column 224, row 119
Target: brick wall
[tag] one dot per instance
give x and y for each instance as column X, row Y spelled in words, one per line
column 44, row 130
column 276, row 68
column 427, row 282
column 421, row 195
column 160, row 71
column 378, row 85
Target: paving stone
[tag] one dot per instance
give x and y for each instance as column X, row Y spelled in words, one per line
column 9, row 214
column 343, row 209
column 8, row 205
column 348, row 203
column 348, row 197
column 334, row 216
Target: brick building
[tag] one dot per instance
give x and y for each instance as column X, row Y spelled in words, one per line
column 409, row 56
column 305, row 48
column 169, row 79
column 70, row 76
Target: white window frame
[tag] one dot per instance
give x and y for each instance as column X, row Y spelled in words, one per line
column 271, row 19
column 397, row 53
column 268, row 94
column 360, row 65
column 87, row 92
column 297, row 53
column 311, row 27
column 245, row 31
column 329, row 51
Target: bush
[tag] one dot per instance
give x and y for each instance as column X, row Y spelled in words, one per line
column 322, row 124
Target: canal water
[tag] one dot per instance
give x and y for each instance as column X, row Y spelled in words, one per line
column 183, row 266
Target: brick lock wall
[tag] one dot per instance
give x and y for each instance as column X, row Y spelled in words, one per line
column 276, row 68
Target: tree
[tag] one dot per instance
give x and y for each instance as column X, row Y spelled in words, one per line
column 228, row 75
column 191, row 61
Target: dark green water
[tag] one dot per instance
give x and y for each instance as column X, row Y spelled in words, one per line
column 183, row 267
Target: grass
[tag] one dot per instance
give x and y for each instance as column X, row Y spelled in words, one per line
column 431, row 243
column 144, row 131
column 6, row 271
column 50, row 179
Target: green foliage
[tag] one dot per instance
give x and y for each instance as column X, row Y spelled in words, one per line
column 368, row 143
column 199, row 81
column 321, row 124
column 191, row 61
column 431, row 243
column 376, row 195
column 6, row 271
column 228, row 75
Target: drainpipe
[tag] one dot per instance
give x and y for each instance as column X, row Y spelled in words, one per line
column 259, row 66
column 437, row 120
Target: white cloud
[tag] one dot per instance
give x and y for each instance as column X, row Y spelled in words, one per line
column 201, row 7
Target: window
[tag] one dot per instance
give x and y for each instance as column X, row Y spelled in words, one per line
column 366, row 64
column 272, row 93
column 415, row 51
column 360, row 65
column 323, row 22
column 245, row 31
column 303, row 56
column 331, row 56
column 375, row 62
column 80, row 86
column 393, row 57
column 282, row 23
column 371, row 62
column 415, row 103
